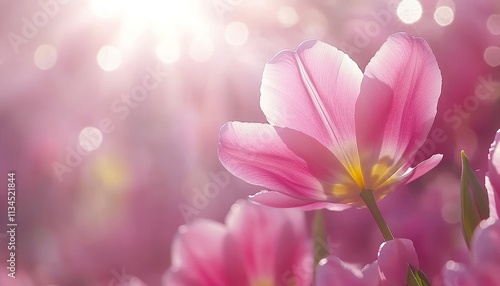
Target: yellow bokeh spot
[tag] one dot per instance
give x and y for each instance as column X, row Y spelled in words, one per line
column 263, row 282
column 111, row 173
column 105, row 189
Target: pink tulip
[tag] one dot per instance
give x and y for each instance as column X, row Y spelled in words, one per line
column 257, row 246
column 485, row 259
column 391, row 268
column 493, row 178
column 334, row 131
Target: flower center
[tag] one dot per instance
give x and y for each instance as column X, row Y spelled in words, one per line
column 378, row 176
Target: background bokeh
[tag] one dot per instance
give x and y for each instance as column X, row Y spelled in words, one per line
column 110, row 111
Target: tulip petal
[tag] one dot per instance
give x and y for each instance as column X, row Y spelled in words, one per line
column 208, row 261
column 457, row 274
column 332, row 271
column 423, row 167
column 494, row 164
column 371, row 277
column 493, row 199
column 406, row 175
column 279, row 200
column 282, row 160
column 397, row 104
column 394, row 258
column 180, row 277
column 313, row 90
column 485, row 242
column 271, row 240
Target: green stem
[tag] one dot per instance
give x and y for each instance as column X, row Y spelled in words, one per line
column 367, row 196
column 320, row 250
column 371, row 204
column 319, row 236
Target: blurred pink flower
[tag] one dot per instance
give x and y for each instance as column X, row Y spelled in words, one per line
column 391, row 268
column 333, row 130
column 257, row 246
column 493, row 178
column 485, row 253
column 485, row 259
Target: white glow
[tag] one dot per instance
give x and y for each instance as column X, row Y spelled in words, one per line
column 236, row 33
column 492, row 56
column 409, row 11
column 109, row 58
column 201, row 49
column 287, row 16
column 493, row 24
column 452, row 265
column 45, row 57
column 159, row 16
column 444, row 15
column 451, row 213
column 168, row 51
column 106, row 8
column 90, row 138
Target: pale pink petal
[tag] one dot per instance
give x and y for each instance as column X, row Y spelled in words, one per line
column 181, row 276
column 394, row 257
column 202, row 252
column 423, row 167
column 371, row 276
column 279, row 200
column 314, row 90
column 406, row 175
column 487, row 274
column 396, row 106
column 283, row 160
column 332, row 271
column 486, row 243
column 458, row 274
column 494, row 164
column 273, row 241
column 493, row 199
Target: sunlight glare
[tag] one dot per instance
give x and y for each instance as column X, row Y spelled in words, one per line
column 493, row 24
column 168, row 51
column 236, row 33
column 444, row 15
column 138, row 16
column 45, row 57
column 109, row 58
column 90, row 138
column 409, row 11
column 492, row 56
column 201, row 49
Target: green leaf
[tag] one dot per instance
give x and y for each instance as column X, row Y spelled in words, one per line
column 479, row 194
column 417, row 278
column 422, row 279
column 470, row 214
